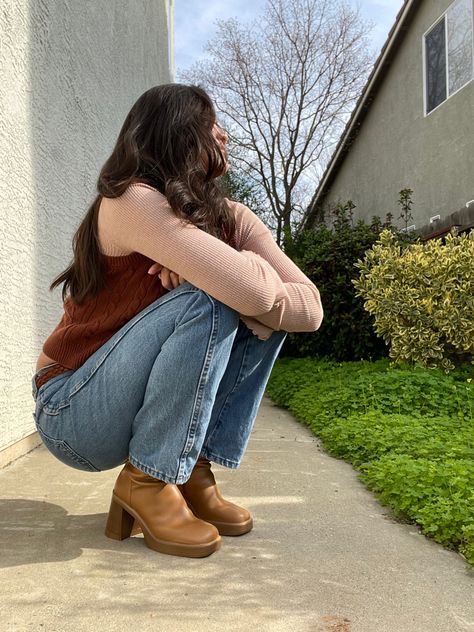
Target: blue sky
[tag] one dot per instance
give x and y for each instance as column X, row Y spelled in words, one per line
column 195, row 22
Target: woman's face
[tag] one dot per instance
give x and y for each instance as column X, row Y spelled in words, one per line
column 221, row 137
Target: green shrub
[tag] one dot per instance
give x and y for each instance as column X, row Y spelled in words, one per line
column 422, row 298
column 328, row 257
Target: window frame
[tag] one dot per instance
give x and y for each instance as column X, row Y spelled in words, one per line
column 444, row 16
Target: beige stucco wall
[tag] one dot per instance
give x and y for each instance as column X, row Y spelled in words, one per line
column 69, row 73
column 398, row 147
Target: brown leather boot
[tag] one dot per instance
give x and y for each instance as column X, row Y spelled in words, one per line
column 168, row 524
column 206, row 502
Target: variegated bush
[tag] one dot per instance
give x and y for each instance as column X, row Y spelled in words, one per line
column 422, row 298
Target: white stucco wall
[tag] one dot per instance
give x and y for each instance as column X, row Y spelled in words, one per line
column 69, row 73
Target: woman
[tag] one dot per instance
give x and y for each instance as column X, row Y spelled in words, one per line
column 166, row 375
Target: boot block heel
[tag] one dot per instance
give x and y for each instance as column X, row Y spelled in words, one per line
column 119, row 523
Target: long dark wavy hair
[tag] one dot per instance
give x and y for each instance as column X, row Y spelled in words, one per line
column 166, row 142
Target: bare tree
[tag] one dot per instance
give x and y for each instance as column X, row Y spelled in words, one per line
column 284, row 87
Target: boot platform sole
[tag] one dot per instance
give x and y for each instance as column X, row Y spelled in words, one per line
column 228, row 528
column 119, row 527
column 224, row 528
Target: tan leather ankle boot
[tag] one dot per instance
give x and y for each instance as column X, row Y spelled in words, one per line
column 206, row 502
column 168, row 524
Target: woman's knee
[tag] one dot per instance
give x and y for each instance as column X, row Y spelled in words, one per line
column 214, row 306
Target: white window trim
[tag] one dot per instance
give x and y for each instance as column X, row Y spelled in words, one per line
column 169, row 6
column 423, row 46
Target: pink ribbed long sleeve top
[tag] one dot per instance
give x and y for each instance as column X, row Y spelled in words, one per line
column 257, row 279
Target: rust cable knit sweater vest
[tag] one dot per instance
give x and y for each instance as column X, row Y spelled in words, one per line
column 84, row 328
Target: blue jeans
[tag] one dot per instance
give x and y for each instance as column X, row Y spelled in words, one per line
column 182, row 378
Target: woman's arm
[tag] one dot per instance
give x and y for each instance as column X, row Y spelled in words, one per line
column 141, row 220
column 300, row 309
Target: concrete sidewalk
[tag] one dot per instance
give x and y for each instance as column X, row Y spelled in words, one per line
column 323, row 556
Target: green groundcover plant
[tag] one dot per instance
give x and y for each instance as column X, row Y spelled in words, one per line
column 409, row 431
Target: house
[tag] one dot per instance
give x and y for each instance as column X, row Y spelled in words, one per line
column 70, row 73
column 413, row 126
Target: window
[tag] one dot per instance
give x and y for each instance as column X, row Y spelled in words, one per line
column 435, row 61
column 460, row 44
column 448, row 54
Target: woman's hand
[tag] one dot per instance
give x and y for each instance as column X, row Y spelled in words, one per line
column 169, row 279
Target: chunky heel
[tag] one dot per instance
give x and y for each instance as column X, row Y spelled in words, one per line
column 119, row 523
